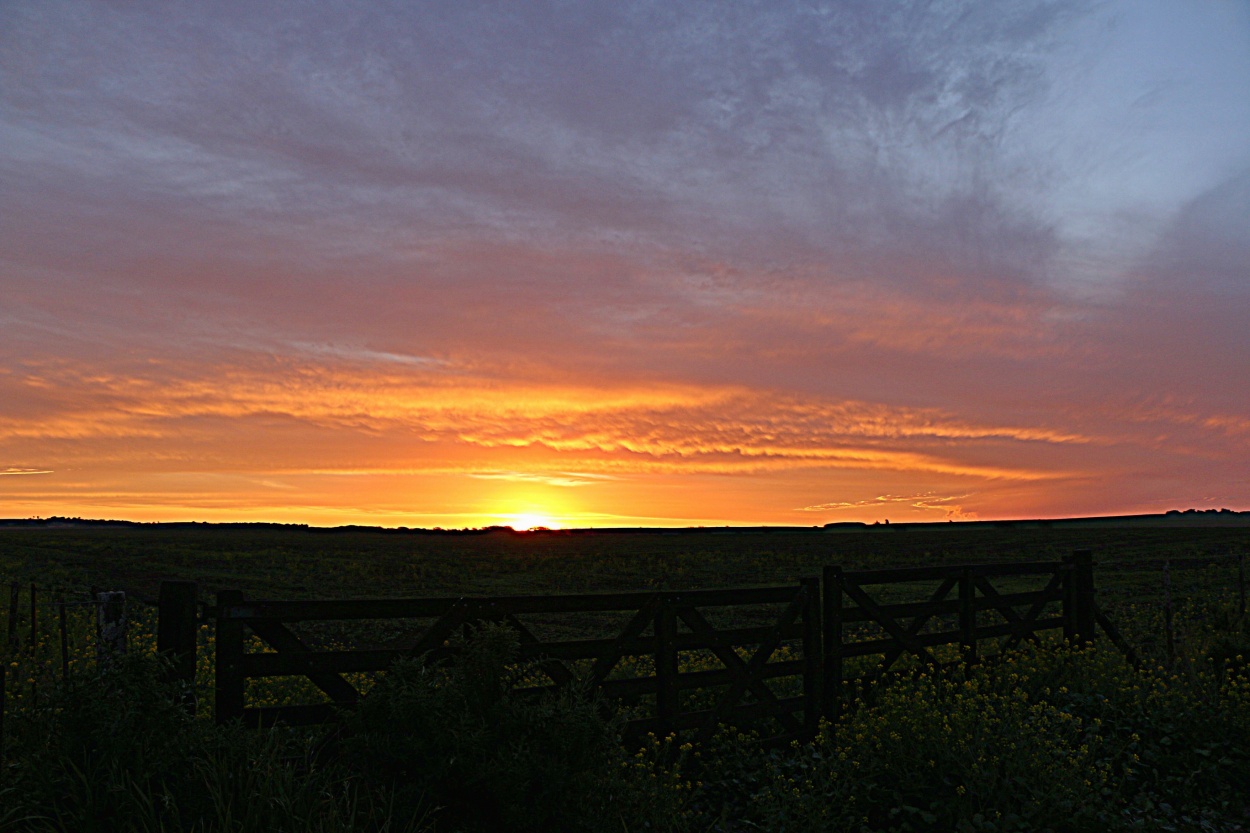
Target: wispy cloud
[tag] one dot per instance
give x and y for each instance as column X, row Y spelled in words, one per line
column 565, row 479
column 359, row 354
column 18, row 471
column 928, row 501
column 601, row 428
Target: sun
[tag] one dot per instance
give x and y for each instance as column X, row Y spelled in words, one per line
column 532, row 520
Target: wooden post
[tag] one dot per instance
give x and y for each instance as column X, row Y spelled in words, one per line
column 666, row 663
column 1167, row 614
column 1082, row 578
column 33, row 646
column 176, row 631
column 64, row 640
column 110, row 627
column 831, row 625
column 812, row 702
column 1241, row 585
column 1069, row 604
column 228, row 682
column 34, row 621
column 15, row 595
column 967, row 617
column 4, row 673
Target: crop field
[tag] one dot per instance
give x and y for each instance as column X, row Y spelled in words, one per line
column 1051, row 738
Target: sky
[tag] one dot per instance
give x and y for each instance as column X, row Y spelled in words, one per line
column 623, row 263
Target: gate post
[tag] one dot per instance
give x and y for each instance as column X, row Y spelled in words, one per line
column 110, row 627
column 1078, row 598
column 666, row 663
column 228, row 673
column 967, row 617
column 176, row 631
column 831, row 625
column 813, row 704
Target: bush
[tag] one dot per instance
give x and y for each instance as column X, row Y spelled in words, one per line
column 942, row 752
column 461, row 739
column 113, row 751
column 1045, row 739
column 87, row 757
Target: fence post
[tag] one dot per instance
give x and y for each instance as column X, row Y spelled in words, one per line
column 967, row 617
column 176, row 631
column 666, row 663
column 1069, row 614
column 1241, row 585
column 228, row 674
column 33, row 647
column 34, row 621
column 15, row 596
column 64, row 629
column 110, row 627
column 812, row 703
column 1082, row 578
column 1169, row 633
column 831, row 625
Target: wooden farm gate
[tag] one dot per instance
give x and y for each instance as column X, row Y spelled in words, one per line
column 689, row 675
column 772, row 658
column 954, row 613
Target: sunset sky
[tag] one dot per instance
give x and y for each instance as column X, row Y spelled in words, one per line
column 613, row 264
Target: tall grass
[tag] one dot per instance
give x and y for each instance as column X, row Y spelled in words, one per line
column 113, row 751
column 1053, row 737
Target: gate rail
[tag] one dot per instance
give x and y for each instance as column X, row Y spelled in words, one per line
column 1021, row 615
column 785, row 674
column 661, row 628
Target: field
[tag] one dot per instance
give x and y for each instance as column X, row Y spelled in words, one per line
column 1056, row 739
column 294, row 562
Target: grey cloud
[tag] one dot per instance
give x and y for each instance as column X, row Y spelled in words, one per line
column 609, row 172
column 835, row 127
column 1178, row 328
column 1208, row 242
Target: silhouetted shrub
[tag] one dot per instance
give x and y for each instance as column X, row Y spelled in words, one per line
column 461, row 738
column 113, row 751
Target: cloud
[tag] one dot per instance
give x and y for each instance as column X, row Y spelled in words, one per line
column 837, row 129
column 562, row 479
column 18, row 471
column 928, row 501
column 358, row 354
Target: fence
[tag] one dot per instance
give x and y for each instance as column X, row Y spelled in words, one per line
column 24, row 647
column 1066, row 602
column 659, row 629
column 785, row 673
column 685, row 662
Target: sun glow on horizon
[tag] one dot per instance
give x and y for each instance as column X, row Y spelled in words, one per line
column 532, row 520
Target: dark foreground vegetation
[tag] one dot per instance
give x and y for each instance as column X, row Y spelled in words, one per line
column 1050, row 738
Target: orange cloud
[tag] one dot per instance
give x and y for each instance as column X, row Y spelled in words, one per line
column 721, row 429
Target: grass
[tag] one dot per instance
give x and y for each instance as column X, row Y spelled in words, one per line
column 1049, row 738
column 278, row 562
